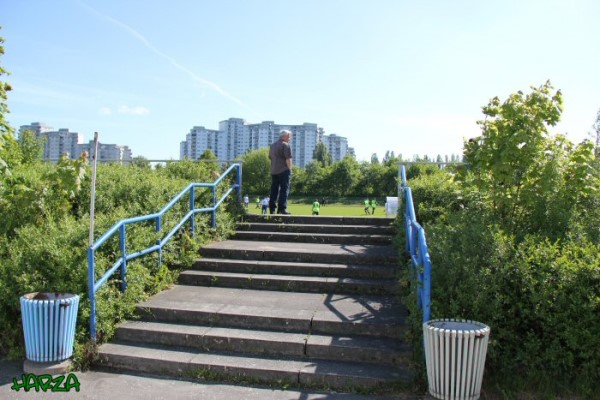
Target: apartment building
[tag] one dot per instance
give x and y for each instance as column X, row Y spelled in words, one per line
column 63, row 141
column 107, row 152
column 235, row 137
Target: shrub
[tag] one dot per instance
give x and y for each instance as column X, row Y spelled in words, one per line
column 47, row 251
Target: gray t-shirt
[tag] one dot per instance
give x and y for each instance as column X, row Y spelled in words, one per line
column 278, row 153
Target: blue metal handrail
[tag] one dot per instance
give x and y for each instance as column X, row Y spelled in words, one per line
column 121, row 263
column 416, row 245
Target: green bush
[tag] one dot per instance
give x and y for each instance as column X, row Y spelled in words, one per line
column 539, row 297
column 44, row 241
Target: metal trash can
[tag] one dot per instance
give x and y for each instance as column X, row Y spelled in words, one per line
column 455, row 353
column 391, row 206
column 49, row 325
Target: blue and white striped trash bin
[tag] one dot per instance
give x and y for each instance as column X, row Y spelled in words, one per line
column 49, row 325
column 455, row 353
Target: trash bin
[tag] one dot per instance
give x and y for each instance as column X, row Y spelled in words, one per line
column 391, row 206
column 455, row 353
column 49, row 325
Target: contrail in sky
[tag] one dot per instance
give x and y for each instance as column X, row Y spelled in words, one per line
column 170, row 59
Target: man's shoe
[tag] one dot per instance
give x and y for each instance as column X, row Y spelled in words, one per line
column 271, row 211
column 285, row 213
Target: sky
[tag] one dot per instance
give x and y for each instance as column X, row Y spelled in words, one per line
column 390, row 75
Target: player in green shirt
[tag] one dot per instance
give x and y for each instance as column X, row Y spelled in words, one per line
column 367, row 206
column 373, row 205
column 316, row 207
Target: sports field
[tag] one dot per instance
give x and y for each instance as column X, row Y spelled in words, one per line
column 334, row 209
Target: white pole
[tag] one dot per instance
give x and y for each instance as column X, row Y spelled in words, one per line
column 93, row 196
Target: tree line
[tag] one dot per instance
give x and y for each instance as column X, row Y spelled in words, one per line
column 322, row 177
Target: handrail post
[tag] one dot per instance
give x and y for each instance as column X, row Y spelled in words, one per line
column 239, row 183
column 192, row 207
column 158, row 229
column 427, row 287
column 92, row 293
column 122, row 244
column 213, row 219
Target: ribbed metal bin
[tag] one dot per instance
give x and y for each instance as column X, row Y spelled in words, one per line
column 455, row 353
column 49, row 325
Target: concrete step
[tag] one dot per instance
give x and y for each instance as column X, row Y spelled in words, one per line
column 302, row 252
column 223, row 366
column 317, row 313
column 318, row 220
column 316, row 228
column 314, row 284
column 266, row 343
column 295, row 268
column 303, row 237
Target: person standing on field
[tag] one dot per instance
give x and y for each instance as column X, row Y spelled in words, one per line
column 280, row 155
column 265, row 205
column 246, row 201
column 373, row 205
column 367, row 206
column 316, row 207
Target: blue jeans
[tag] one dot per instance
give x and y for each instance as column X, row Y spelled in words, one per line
column 280, row 188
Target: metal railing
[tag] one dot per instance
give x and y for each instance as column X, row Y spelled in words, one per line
column 121, row 263
column 416, row 246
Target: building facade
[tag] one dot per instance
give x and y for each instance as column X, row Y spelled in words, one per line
column 234, row 138
column 63, row 141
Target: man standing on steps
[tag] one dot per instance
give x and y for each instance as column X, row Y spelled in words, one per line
column 280, row 155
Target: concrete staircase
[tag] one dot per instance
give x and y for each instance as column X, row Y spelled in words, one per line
column 289, row 301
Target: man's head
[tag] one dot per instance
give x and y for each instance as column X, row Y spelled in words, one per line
column 285, row 135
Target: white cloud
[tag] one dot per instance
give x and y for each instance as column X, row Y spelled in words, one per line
column 105, row 111
column 136, row 110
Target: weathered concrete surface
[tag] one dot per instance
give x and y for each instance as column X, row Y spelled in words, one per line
column 97, row 385
column 312, row 237
column 279, row 310
column 318, row 220
column 316, row 228
column 302, row 252
column 296, row 268
column 314, row 284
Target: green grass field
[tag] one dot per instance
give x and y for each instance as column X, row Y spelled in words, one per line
column 335, row 209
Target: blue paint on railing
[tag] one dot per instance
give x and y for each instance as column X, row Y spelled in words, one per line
column 120, row 227
column 416, row 246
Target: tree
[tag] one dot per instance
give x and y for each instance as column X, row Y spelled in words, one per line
column 532, row 181
column 256, row 176
column 321, row 154
column 32, row 148
column 4, row 89
column 374, row 159
column 6, row 132
column 596, row 135
column 208, row 155
column 343, row 177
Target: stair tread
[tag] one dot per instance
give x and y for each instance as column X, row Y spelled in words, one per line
column 346, row 307
column 275, row 277
column 296, row 308
column 187, row 359
column 346, row 341
column 320, row 219
column 317, row 228
column 297, row 264
column 366, row 236
column 318, row 225
column 321, row 248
